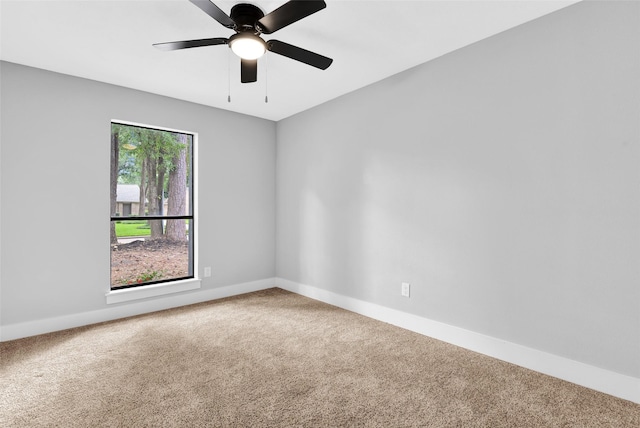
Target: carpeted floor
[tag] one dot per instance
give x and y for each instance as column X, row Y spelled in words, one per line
column 276, row 359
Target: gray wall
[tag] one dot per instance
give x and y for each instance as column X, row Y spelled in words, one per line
column 502, row 181
column 55, row 190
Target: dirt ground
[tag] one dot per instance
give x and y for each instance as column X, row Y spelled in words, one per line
column 144, row 261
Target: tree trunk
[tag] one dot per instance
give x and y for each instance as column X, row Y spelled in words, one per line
column 176, row 229
column 157, row 231
column 142, row 202
column 115, row 157
column 162, row 169
column 154, row 194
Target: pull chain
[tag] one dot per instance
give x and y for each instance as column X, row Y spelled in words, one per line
column 229, row 75
column 266, row 78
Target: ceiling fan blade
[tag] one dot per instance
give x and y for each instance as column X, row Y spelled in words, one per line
column 289, row 13
column 215, row 12
column 172, row 46
column 248, row 70
column 299, row 54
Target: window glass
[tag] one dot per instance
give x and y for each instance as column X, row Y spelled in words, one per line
column 151, row 217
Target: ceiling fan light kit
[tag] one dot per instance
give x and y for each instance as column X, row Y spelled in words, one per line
column 247, row 46
column 249, row 22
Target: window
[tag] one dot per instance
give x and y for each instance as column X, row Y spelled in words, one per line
column 151, row 220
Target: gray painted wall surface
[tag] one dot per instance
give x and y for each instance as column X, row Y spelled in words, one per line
column 56, row 136
column 502, row 181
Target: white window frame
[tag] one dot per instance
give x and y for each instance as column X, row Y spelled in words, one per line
column 179, row 285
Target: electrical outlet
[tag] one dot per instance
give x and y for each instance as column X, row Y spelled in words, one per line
column 207, row 271
column 406, row 287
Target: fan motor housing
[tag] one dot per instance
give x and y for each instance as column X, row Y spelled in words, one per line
column 246, row 16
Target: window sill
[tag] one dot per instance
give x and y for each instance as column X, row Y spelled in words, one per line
column 144, row 292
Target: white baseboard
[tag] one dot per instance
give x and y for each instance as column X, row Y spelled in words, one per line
column 123, row 310
column 606, row 381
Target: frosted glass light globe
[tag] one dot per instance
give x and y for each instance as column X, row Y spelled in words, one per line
column 247, row 46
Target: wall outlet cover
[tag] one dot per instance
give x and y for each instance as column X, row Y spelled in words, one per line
column 406, row 287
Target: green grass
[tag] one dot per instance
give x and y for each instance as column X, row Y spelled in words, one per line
column 132, row 228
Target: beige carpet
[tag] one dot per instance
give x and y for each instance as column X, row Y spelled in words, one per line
column 274, row 358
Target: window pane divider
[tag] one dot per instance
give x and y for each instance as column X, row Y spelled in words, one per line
column 155, row 217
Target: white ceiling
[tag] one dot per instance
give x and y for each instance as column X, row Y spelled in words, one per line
column 110, row 41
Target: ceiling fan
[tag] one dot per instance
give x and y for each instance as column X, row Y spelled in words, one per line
column 249, row 22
